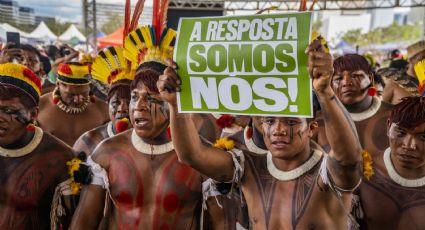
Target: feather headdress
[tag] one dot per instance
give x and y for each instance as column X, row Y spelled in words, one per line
column 110, row 66
column 151, row 42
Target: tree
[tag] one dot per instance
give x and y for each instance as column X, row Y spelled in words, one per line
column 351, row 36
column 392, row 33
column 114, row 22
column 57, row 27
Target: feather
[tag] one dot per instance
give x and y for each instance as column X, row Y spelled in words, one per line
column 155, row 13
column 127, row 18
column 163, row 17
column 136, row 14
column 420, row 74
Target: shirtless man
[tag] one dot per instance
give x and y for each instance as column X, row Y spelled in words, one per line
column 32, row 162
column 148, row 186
column 70, row 110
column 276, row 196
column 394, row 198
column 119, row 77
column 351, row 80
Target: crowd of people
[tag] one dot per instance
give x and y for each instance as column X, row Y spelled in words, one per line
column 98, row 143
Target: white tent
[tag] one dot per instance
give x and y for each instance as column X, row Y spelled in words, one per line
column 42, row 32
column 4, row 28
column 7, row 27
column 72, row 32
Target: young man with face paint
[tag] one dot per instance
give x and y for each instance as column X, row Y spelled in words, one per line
column 33, row 168
column 300, row 187
column 70, row 110
column 353, row 85
column 119, row 77
column 394, row 197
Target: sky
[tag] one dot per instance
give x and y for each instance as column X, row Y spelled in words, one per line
column 69, row 10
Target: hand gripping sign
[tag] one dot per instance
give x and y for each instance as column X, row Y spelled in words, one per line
column 247, row 65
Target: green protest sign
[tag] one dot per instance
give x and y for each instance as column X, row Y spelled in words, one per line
column 248, row 65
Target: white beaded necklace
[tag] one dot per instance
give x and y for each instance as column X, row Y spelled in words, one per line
column 376, row 104
column 250, row 145
column 149, row 149
column 411, row 183
column 294, row 173
column 109, row 129
column 38, row 135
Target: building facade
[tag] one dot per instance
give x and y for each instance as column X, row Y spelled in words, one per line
column 11, row 11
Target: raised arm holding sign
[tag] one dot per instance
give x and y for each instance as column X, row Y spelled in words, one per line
column 249, row 65
column 296, row 185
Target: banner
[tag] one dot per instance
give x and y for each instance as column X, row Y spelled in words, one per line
column 246, row 65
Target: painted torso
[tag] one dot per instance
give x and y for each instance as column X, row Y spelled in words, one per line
column 371, row 131
column 388, row 205
column 28, row 184
column 295, row 204
column 90, row 139
column 69, row 127
column 150, row 192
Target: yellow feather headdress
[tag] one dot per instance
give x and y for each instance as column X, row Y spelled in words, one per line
column 110, row 66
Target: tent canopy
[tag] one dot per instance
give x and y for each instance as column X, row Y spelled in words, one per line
column 42, row 32
column 7, row 27
column 114, row 39
column 72, row 32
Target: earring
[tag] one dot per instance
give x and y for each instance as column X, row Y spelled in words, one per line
column 92, row 99
column 30, row 127
column 122, row 125
column 56, row 96
column 371, row 91
column 169, row 132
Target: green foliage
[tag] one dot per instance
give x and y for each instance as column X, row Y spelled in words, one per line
column 57, row 27
column 393, row 33
column 317, row 25
column 114, row 22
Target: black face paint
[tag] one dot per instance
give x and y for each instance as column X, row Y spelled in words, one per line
column 267, row 132
column 291, row 134
column 300, row 134
column 257, row 138
column 16, row 114
column 163, row 106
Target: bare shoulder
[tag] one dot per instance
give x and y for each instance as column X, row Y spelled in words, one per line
column 90, row 139
column 52, row 144
column 95, row 133
column 238, row 138
column 385, row 107
column 101, row 105
column 45, row 100
column 109, row 146
column 101, row 108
